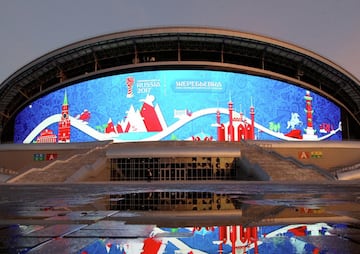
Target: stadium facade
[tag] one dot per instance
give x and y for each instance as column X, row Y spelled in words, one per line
column 172, row 84
column 179, row 83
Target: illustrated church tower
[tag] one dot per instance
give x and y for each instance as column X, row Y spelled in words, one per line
column 64, row 123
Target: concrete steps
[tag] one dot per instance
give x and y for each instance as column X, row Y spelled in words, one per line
column 62, row 171
column 279, row 169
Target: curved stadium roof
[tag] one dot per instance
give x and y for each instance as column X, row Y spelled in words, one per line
column 180, row 48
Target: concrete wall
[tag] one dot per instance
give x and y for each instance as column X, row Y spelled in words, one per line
column 20, row 157
column 327, row 155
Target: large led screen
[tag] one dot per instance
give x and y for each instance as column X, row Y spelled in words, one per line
column 179, row 105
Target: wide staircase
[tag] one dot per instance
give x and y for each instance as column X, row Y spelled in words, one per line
column 76, row 168
column 351, row 172
column 279, row 168
column 92, row 166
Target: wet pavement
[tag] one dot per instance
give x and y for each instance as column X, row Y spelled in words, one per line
column 51, row 218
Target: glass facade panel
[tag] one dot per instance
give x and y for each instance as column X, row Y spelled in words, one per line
column 173, row 169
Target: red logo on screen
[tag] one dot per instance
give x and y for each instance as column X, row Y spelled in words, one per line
column 130, row 83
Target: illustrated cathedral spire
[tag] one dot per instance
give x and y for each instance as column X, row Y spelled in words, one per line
column 64, row 123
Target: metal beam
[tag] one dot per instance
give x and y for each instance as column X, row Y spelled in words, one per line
column 22, row 93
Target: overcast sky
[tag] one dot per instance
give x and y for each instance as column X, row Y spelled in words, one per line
column 32, row 28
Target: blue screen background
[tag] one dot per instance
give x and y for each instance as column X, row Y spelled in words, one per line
column 179, row 90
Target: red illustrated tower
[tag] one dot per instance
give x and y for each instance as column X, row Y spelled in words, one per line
column 231, row 126
column 252, row 117
column 220, row 127
column 241, row 127
column 308, row 109
column 309, row 131
column 64, row 124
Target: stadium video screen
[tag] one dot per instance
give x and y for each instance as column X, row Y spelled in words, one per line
column 179, row 105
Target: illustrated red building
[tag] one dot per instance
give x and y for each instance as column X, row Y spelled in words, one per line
column 240, row 238
column 201, row 137
column 237, row 128
column 150, row 118
column 119, row 128
column 46, row 136
column 110, row 128
column 64, row 123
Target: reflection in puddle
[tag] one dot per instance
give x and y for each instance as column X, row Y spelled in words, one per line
column 299, row 238
column 216, row 223
column 169, row 201
column 236, row 218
